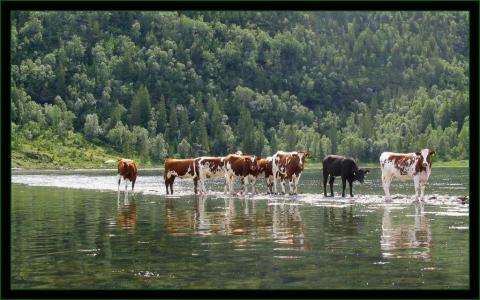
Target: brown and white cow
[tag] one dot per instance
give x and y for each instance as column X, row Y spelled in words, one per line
column 288, row 165
column 406, row 166
column 243, row 166
column 264, row 167
column 128, row 170
column 183, row 168
column 209, row 167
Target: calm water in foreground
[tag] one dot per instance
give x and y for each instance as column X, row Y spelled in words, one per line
column 69, row 230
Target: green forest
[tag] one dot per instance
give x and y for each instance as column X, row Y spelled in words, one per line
column 91, row 86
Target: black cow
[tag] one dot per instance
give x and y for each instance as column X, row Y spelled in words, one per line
column 335, row 165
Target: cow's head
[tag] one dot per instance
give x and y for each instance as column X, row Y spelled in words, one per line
column 360, row 175
column 425, row 157
column 302, row 155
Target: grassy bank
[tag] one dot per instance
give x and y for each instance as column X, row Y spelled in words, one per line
column 48, row 151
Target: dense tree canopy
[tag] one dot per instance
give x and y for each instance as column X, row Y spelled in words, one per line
column 158, row 84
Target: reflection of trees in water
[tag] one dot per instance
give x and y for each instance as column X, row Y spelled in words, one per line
column 398, row 239
column 233, row 216
column 126, row 213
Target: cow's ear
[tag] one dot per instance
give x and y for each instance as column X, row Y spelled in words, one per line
column 367, row 171
column 432, row 152
column 418, row 153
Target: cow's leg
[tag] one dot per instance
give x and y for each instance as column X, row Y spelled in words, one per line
column 202, row 184
column 254, row 181
column 282, row 183
column 195, row 185
column 126, row 184
column 227, row 184
column 291, row 184
column 133, row 186
column 171, row 184
column 416, row 183
column 275, row 182
column 386, row 180
column 232, row 184
column 332, row 179
column 325, row 178
column 269, row 183
column 167, row 182
column 350, row 182
column 344, row 185
column 297, row 181
column 422, row 189
column 244, row 185
column 119, row 179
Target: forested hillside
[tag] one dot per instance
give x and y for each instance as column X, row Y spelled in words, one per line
column 152, row 85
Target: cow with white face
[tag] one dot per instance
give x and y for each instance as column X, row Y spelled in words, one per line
column 288, row 165
column 406, row 166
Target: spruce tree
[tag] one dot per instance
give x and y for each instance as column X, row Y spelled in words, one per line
column 185, row 131
column 202, row 134
column 162, row 115
column 140, row 107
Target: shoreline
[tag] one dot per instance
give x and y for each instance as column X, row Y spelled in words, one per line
column 76, row 169
column 96, row 169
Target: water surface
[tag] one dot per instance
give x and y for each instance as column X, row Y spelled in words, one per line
column 71, row 229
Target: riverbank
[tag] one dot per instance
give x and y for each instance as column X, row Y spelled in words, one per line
column 48, row 151
column 153, row 167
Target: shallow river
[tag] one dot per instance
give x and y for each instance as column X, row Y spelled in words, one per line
column 70, row 229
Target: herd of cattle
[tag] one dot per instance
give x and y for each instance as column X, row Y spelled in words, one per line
column 286, row 166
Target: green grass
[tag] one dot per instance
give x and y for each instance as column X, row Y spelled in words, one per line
column 48, row 151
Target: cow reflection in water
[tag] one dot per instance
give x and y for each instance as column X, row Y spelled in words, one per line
column 126, row 213
column 255, row 220
column 407, row 240
column 287, row 228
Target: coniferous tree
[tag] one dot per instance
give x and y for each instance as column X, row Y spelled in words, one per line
column 202, row 134
column 162, row 115
column 185, row 131
column 404, row 79
column 140, row 107
column 173, row 123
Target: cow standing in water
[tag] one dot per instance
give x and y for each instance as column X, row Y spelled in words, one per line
column 406, row 166
column 243, row 166
column 264, row 167
column 183, row 168
column 288, row 165
column 209, row 167
column 335, row 165
column 128, row 170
